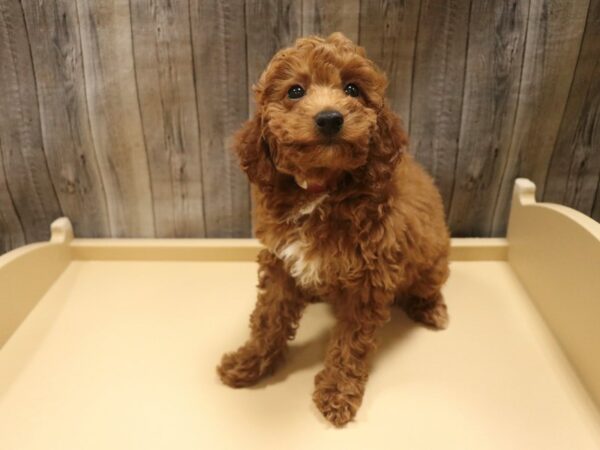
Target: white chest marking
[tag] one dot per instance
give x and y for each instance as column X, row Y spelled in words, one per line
column 305, row 271
column 308, row 208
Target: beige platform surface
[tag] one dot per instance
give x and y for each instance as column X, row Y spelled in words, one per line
column 122, row 355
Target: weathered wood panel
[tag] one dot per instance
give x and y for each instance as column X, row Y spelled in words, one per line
column 119, row 113
column 388, row 31
column 114, row 110
column 164, row 68
column 574, row 173
column 495, row 57
column 218, row 35
column 24, row 161
column 11, row 230
column 553, row 40
column 324, row 17
column 596, row 210
column 439, row 72
column 56, row 49
column 270, row 26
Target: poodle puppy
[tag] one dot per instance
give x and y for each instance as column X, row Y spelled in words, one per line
column 345, row 214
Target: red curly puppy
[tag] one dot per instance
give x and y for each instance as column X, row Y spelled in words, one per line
column 345, row 214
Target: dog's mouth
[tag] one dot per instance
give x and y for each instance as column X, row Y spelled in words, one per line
column 310, row 186
column 318, row 181
column 318, row 168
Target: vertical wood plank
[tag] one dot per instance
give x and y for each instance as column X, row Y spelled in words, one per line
column 495, row 56
column 25, row 165
column 388, row 31
column 323, row 18
column 116, row 126
column 554, row 36
column 56, row 51
column 437, row 92
column 574, row 173
column 596, row 209
column 165, row 81
column 11, row 231
column 119, row 113
column 270, row 26
column 218, row 36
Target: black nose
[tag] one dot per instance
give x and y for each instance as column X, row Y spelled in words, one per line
column 329, row 122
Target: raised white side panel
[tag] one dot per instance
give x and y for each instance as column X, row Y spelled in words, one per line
column 555, row 252
column 28, row 272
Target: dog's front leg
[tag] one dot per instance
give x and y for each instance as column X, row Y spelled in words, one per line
column 339, row 387
column 273, row 323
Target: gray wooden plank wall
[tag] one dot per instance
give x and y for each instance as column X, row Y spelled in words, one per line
column 119, row 114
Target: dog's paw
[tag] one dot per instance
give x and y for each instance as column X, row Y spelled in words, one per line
column 244, row 367
column 434, row 316
column 338, row 402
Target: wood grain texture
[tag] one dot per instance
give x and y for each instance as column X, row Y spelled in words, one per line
column 162, row 48
column 120, row 113
column 554, row 33
column 218, row 34
column 323, row 18
column 388, row 31
column 11, row 230
column 115, row 115
column 439, row 72
column 596, row 209
column 24, row 161
column 270, row 26
column 574, row 173
column 495, row 56
column 56, row 50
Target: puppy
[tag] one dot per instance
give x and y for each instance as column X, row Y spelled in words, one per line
column 345, row 214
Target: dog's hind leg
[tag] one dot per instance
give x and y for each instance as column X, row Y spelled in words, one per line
column 424, row 303
column 273, row 322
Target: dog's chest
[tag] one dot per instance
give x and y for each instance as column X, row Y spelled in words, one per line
column 303, row 263
column 310, row 260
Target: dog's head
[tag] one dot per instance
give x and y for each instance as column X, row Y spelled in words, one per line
column 320, row 115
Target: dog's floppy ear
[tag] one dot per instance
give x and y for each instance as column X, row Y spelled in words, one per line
column 253, row 152
column 394, row 140
column 386, row 149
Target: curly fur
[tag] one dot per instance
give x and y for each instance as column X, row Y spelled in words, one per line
column 373, row 237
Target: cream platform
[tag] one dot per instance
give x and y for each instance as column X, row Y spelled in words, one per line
column 112, row 344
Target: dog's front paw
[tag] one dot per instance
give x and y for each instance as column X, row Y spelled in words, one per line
column 433, row 315
column 245, row 367
column 338, row 398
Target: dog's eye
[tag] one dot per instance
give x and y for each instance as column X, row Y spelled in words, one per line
column 296, row 91
column 352, row 90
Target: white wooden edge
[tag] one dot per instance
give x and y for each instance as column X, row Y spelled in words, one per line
column 28, row 272
column 555, row 252
column 524, row 195
column 463, row 249
column 61, row 231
